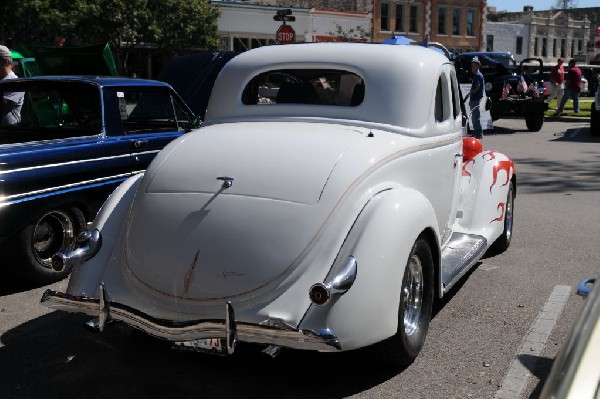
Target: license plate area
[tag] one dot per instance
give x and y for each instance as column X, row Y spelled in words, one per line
column 213, row 346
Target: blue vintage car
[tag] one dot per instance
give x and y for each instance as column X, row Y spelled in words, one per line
column 75, row 140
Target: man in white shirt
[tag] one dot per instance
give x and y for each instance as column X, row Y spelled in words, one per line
column 10, row 107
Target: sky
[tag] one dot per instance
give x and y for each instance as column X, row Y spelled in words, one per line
column 538, row 5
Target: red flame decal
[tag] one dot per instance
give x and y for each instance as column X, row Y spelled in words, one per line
column 491, row 154
column 465, row 172
column 501, row 217
column 505, row 166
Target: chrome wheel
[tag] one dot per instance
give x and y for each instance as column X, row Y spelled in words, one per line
column 503, row 241
column 412, row 295
column 414, row 311
column 54, row 232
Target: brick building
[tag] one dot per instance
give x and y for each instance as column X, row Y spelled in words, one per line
column 458, row 25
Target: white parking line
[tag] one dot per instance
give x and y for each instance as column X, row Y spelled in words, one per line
column 533, row 344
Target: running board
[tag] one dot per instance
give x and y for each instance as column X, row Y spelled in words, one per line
column 460, row 253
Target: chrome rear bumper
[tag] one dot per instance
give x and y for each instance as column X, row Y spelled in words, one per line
column 228, row 329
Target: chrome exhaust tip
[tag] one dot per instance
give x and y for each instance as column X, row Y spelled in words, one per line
column 341, row 282
column 319, row 294
column 88, row 245
column 58, row 262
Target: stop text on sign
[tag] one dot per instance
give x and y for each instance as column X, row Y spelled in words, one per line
column 286, row 34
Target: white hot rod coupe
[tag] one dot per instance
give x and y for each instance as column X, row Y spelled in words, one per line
column 324, row 204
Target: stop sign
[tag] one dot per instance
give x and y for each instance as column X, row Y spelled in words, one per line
column 286, row 34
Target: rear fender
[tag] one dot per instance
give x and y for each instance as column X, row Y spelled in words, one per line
column 380, row 240
column 483, row 193
column 86, row 277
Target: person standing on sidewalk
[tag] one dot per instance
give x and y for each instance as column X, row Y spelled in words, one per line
column 572, row 88
column 557, row 80
column 10, row 102
column 475, row 96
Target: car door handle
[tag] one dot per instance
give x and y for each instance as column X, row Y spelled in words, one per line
column 139, row 143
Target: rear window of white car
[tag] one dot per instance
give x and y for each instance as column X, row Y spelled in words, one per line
column 305, row 86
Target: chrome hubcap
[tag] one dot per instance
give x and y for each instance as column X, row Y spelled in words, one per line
column 53, row 233
column 412, row 294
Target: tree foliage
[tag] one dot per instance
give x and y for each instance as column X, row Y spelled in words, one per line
column 29, row 21
column 358, row 34
column 167, row 26
column 565, row 4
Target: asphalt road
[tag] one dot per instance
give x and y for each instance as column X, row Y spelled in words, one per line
column 477, row 336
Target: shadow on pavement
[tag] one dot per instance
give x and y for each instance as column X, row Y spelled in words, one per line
column 548, row 176
column 53, row 356
column 10, row 285
column 539, row 367
column 577, row 135
column 439, row 304
column 498, row 130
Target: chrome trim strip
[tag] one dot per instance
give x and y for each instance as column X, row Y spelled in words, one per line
column 284, row 336
column 54, row 141
column 80, row 161
column 104, row 308
column 230, row 328
column 459, row 255
column 67, row 186
column 102, row 110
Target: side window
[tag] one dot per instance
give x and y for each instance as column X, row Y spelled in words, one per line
column 439, row 102
column 443, row 98
column 146, row 110
column 183, row 119
column 455, row 96
column 42, row 110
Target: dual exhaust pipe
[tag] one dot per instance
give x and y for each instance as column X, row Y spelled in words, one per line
column 88, row 245
column 321, row 293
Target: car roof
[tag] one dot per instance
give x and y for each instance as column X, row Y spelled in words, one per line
column 102, row 81
column 398, row 79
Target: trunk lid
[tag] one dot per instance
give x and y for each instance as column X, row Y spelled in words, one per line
column 189, row 238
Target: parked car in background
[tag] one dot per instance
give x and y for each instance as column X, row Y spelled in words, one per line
column 595, row 114
column 576, row 372
column 585, row 87
column 590, row 74
column 78, row 138
column 194, row 75
column 546, row 83
column 516, row 91
column 588, row 87
column 277, row 221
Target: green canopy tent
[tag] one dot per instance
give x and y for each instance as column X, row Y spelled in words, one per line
column 48, row 60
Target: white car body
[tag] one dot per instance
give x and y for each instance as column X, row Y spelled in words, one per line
column 320, row 195
column 575, row 373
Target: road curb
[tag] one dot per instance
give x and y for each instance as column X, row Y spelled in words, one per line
column 559, row 118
